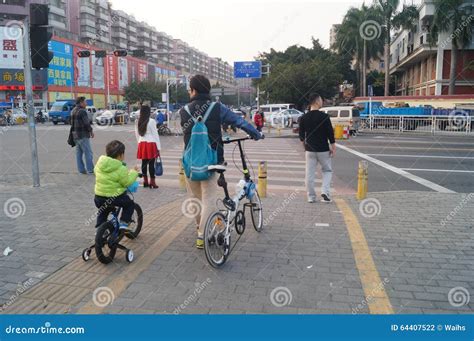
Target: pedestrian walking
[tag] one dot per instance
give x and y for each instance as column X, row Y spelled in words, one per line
column 315, row 131
column 82, row 133
column 149, row 145
column 258, row 120
column 213, row 115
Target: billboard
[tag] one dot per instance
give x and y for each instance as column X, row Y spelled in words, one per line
column 157, row 74
column 122, row 73
column 11, row 47
column 98, row 74
column 142, row 72
column 60, row 70
column 82, row 70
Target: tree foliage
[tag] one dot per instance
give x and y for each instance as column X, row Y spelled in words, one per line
column 299, row 71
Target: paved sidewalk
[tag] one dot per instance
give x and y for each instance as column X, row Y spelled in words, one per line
column 307, row 260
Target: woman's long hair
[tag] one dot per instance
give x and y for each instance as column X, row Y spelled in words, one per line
column 143, row 119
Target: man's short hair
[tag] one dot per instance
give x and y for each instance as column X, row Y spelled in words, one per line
column 114, row 149
column 80, row 99
column 201, row 84
column 314, row 97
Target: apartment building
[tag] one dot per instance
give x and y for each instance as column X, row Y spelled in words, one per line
column 421, row 68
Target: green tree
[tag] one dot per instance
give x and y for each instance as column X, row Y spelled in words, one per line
column 454, row 18
column 358, row 36
column 144, row 91
column 298, row 71
column 394, row 19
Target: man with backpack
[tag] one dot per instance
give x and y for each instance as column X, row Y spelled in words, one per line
column 201, row 121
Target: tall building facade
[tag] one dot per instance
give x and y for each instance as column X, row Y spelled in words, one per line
column 422, row 68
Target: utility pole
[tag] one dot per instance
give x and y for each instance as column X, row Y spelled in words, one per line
column 29, row 103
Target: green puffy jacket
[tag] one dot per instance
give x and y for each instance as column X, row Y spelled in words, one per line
column 112, row 177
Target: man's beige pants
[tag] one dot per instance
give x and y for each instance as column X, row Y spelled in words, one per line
column 206, row 193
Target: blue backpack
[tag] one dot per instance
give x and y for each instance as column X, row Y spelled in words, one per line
column 199, row 153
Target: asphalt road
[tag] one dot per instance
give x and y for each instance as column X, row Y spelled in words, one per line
column 439, row 163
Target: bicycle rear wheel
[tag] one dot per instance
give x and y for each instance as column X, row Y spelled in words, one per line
column 256, row 212
column 105, row 246
column 135, row 225
column 215, row 245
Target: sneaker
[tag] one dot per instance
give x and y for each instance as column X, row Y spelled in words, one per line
column 311, row 200
column 325, row 198
column 200, row 243
column 124, row 227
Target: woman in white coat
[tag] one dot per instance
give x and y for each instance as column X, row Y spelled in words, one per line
column 149, row 145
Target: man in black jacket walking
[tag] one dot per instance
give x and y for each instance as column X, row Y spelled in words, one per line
column 82, row 132
column 315, row 131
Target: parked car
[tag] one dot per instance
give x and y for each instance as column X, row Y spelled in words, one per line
column 347, row 116
column 286, row 117
column 134, row 115
column 110, row 117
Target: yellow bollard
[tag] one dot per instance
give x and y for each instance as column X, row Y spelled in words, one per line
column 181, row 176
column 262, row 179
column 338, row 132
column 362, row 180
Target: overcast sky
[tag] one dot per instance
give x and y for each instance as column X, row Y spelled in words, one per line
column 239, row 30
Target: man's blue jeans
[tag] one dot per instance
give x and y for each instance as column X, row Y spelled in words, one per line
column 83, row 149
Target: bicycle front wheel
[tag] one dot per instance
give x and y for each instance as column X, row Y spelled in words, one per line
column 256, row 212
column 215, row 245
column 136, row 224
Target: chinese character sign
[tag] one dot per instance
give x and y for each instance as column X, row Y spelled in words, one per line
column 142, row 72
column 61, row 71
column 112, row 72
column 11, row 48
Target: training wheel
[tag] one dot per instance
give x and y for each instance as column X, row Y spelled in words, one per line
column 129, row 256
column 86, row 254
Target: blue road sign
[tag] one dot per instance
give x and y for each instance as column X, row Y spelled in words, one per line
column 248, row 69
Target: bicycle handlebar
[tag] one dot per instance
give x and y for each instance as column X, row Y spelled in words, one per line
column 228, row 140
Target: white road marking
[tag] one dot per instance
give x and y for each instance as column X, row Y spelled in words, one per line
column 321, row 225
column 425, row 156
column 437, row 170
column 398, row 171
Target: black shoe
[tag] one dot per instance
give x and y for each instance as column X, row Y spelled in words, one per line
column 325, row 198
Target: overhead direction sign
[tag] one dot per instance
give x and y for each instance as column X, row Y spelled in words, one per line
column 251, row 69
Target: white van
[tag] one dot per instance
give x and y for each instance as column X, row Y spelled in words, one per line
column 91, row 113
column 269, row 109
column 346, row 115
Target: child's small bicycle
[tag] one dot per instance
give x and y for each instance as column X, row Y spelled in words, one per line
column 108, row 235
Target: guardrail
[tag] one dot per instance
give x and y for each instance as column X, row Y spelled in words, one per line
column 418, row 124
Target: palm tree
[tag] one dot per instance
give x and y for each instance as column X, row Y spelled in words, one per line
column 453, row 17
column 406, row 19
column 350, row 39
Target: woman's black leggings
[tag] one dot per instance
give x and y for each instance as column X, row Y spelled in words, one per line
column 151, row 165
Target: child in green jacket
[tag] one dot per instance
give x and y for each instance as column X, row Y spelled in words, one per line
column 111, row 181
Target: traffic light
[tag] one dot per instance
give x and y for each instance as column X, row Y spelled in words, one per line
column 120, row 53
column 138, row 53
column 100, row 54
column 40, row 36
column 84, row 54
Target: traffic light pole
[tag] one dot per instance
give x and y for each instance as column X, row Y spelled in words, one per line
column 29, row 103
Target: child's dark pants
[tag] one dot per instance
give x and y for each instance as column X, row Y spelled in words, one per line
column 104, row 204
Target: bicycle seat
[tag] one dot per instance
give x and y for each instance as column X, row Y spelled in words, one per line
column 217, row 168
